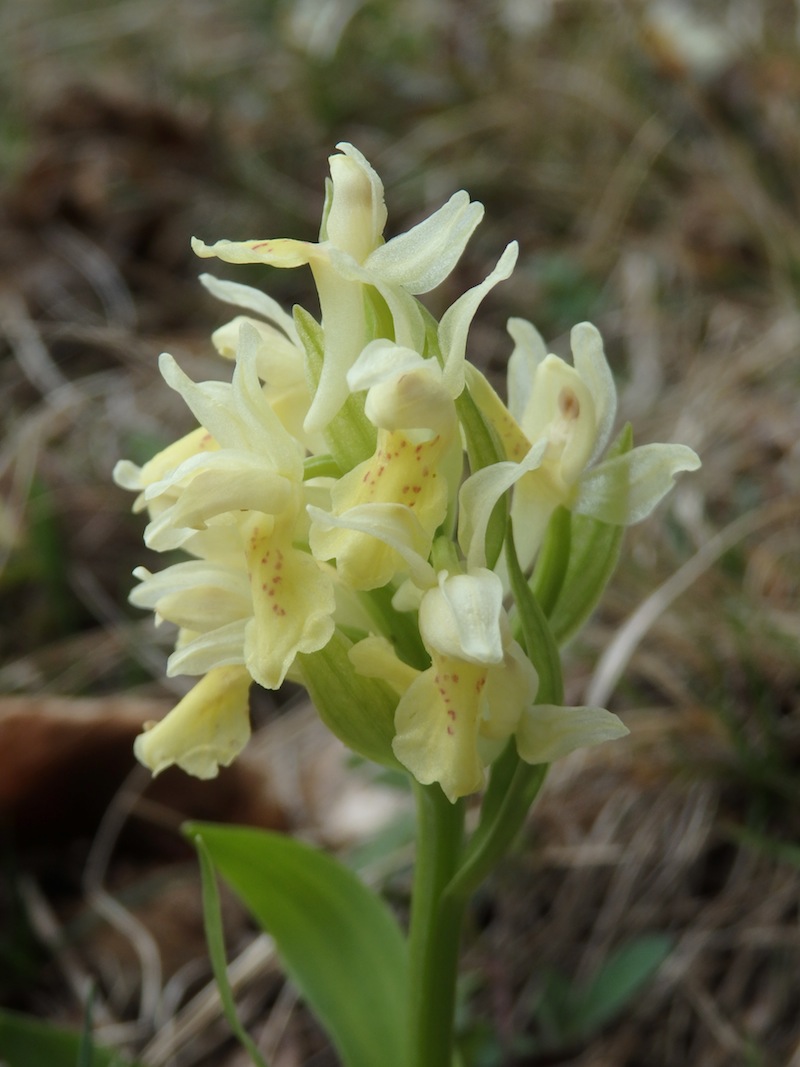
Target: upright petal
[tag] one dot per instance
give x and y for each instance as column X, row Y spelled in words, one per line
column 357, row 212
column 457, row 320
column 422, row 258
column 529, row 351
column 480, row 493
column 592, row 366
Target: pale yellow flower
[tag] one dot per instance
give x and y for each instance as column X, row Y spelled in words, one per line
column 205, row 731
column 557, row 425
column 350, row 255
column 453, row 719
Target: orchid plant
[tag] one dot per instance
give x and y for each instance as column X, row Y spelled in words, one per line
column 364, row 515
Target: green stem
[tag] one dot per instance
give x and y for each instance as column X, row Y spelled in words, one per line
column 435, row 928
column 551, row 565
column 493, row 837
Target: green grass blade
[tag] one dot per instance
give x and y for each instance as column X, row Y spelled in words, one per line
column 212, row 919
column 618, row 981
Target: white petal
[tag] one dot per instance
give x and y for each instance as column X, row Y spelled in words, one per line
column 383, row 361
column 282, row 252
column 393, row 524
column 529, row 351
column 461, row 618
column 591, row 364
column 245, row 296
column 478, row 496
column 547, row 732
column 625, row 489
column 424, row 256
column 222, row 647
column 378, row 220
column 456, row 321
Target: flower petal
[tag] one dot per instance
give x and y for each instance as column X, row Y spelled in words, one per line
column 547, row 732
column 404, row 391
column 437, row 727
column 371, row 543
column 201, row 653
column 461, row 617
column 194, row 594
column 456, row 321
column 205, row 731
column 281, row 252
column 529, row 351
column 245, row 296
column 625, row 489
column 478, row 496
column 293, row 602
column 422, row 258
column 591, row 364
column 357, row 212
column 561, row 410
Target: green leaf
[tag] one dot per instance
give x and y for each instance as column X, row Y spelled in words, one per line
column 358, row 710
column 29, row 1042
column 338, row 941
column 594, row 553
column 350, row 435
column 619, row 979
column 215, row 938
column 553, row 560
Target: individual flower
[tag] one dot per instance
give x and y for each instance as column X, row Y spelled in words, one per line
column 205, row 730
column 453, row 719
column 351, row 259
column 402, row 492
column 389, row 507
column 555, row 429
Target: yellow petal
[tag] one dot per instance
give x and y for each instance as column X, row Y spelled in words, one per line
column 293, row 601
column 375, row 657
column 437, row 727
column 401, row 476
column 205, row 731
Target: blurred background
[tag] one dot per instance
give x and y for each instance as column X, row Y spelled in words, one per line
column 646, row 155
